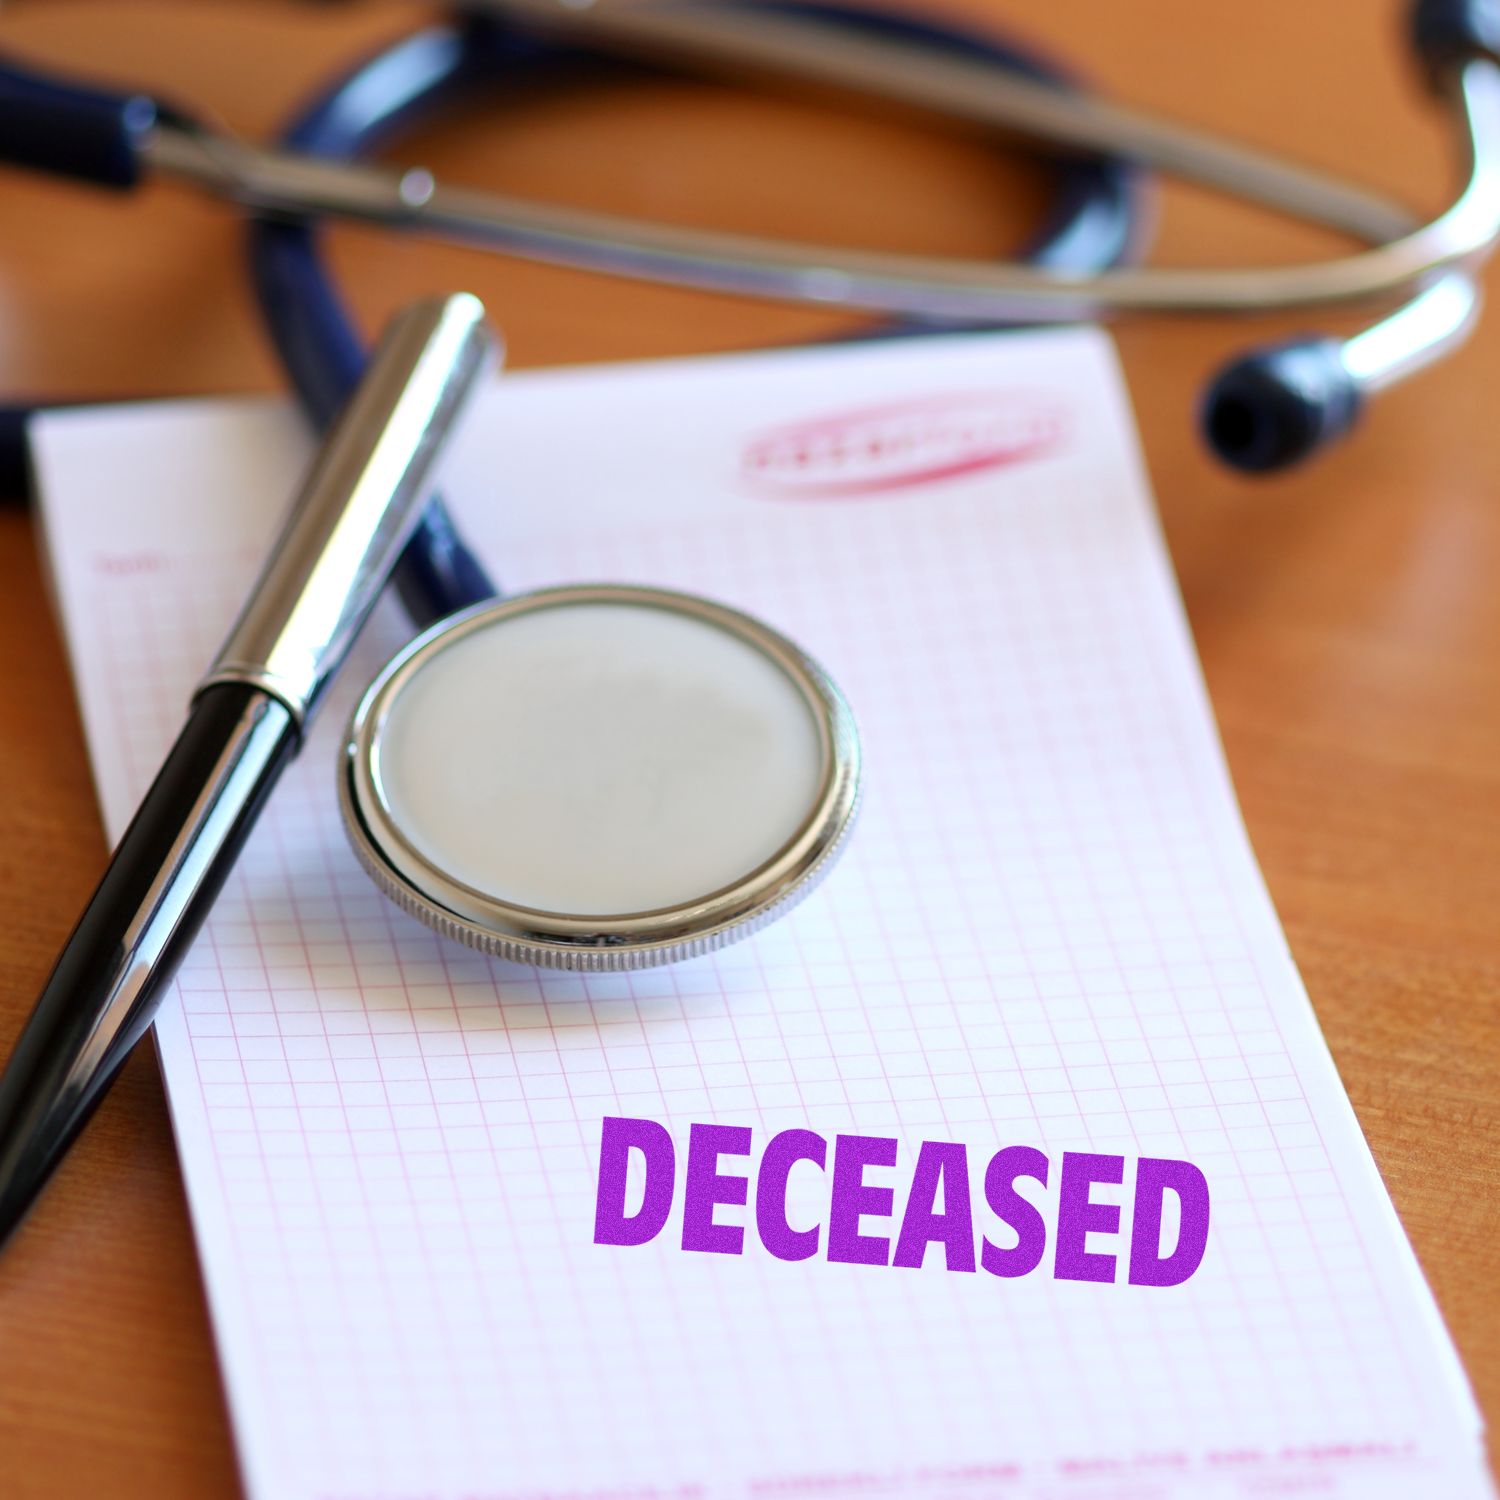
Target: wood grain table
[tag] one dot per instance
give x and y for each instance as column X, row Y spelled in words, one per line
column 1348, row 617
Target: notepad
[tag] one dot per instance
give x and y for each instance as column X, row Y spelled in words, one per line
column 1048, row 932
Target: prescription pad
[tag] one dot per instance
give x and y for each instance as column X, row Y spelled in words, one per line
column 1048, row 934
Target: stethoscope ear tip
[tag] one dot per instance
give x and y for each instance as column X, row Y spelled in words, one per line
column 1448, row 33
column 1276, row 406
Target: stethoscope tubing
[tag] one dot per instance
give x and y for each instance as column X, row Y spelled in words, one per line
column 1269, row 408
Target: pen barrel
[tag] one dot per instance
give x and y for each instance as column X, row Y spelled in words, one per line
column 358, row 506
column 122, row 955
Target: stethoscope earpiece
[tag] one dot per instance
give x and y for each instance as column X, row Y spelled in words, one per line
column 1276, row 406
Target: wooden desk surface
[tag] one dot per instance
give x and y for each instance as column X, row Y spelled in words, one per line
column 1347, row 617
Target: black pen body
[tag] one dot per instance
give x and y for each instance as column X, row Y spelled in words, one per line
column 158, row 888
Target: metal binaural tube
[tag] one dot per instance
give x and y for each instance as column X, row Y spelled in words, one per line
column 273, row 182
column 1414, row 336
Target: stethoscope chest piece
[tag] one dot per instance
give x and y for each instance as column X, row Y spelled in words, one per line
column 599, row 777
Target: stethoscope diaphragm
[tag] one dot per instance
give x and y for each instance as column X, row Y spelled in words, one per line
column 599, row 777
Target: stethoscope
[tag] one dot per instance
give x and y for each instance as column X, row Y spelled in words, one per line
column 571, row 889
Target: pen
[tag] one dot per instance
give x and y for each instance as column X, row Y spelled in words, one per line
column 247, row 720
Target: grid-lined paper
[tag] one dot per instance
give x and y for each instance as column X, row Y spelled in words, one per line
column 1048, row 930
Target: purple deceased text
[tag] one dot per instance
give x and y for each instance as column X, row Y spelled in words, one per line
column 859, row 1225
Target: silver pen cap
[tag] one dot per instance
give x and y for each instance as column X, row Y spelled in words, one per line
column 358, row 507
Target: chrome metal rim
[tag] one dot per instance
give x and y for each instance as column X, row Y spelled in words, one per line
column 633, row 940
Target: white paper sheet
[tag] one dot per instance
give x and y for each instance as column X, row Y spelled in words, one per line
column 1048, row 931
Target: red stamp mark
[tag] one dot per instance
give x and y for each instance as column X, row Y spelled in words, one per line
column 875, row 450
